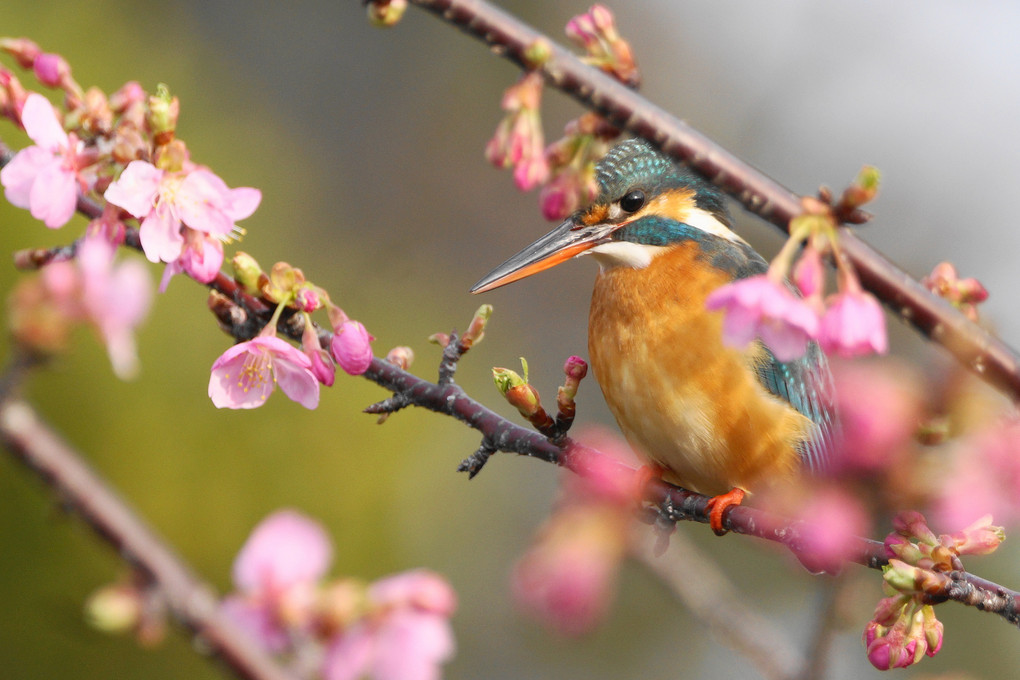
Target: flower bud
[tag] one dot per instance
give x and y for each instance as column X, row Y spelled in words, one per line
column 863, row 189
column 51, row 69
column 162, row 115
column 114, row 609
column 247, row 272
column 912, row 524
column 901, row 576
column 476, row 329
column 385, row 13
column 24, row 51
column 351, row 347
column 402, row 357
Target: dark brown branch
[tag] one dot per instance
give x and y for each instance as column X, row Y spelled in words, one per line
column 979, row 350
column 192, row 601
column 503, row 435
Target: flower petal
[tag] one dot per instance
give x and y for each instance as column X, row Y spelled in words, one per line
column 54, row 195
column 160, row 234
column 136, row 188
column 19, row 175
column 286, row 549
column 41, row 124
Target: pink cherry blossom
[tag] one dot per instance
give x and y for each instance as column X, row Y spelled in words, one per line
column 879, row 404
column 168, row 201
column 351, row 348
column 760, row 307
column 201, row 258
column 113, row 298
column 567, row 579
column 246, row 374
column 323, row 366
column 832, row 519
column 276, row 573
column 287, row 548
column 419, row 589
column 566, row 191
column 853, row 325
column 519, row 141
column 117, row 299
column 44, row 178
column 406, row 637
column 984, row 477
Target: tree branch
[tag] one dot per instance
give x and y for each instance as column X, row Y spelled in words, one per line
column 503, row 435
column 193, row 601
column 979, row 350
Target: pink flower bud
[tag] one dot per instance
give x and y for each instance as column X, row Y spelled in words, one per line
column 808, row 274
column 401, row 357
column 51, row 69
column 322, row 367
column 759, row 306
column 351, row 347
column 853, row 326
column 23, row 50
column 128, row 95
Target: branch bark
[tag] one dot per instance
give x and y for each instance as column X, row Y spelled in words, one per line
column 193, row 601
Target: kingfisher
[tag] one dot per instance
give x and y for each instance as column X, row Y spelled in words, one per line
column 713, row 419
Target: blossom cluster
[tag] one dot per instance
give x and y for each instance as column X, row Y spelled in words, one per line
column 904, row 628
column 787, row 317
column 565, row 170
column 246, row 374
column 396, row 628
column 122, row 152
column 567, row 578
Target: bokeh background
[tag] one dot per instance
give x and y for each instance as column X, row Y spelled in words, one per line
column 367, row 145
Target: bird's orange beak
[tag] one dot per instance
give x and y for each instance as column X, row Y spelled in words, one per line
column 562, row 243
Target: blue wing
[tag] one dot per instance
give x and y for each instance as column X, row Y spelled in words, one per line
column 805, row 383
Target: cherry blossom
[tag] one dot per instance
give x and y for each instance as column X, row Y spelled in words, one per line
column 245, row 375
column 45, row 178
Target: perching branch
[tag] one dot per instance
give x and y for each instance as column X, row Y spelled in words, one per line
column 502, row 435
column 193, row 602
column 976, row 348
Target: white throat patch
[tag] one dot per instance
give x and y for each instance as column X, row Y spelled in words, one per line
column 624, row 254
column 639, row 255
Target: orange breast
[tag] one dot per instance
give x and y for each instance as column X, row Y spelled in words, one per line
column 682, row 398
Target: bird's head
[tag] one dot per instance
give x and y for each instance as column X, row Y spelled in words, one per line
column 646, row 202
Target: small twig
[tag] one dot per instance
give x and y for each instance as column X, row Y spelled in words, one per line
column 193, row 601
column 824, row 632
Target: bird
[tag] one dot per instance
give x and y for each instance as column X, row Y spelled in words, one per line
column 713, row 419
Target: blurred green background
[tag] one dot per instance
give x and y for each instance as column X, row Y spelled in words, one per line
column 367, row 145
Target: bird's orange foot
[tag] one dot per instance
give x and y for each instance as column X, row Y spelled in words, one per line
column 718, row 505
column 645, row 474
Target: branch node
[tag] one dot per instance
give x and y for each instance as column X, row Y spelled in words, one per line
column 474, row 463
column 452, row 353
column 389, row 405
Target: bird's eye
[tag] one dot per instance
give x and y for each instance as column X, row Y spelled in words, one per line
column 633, row 201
